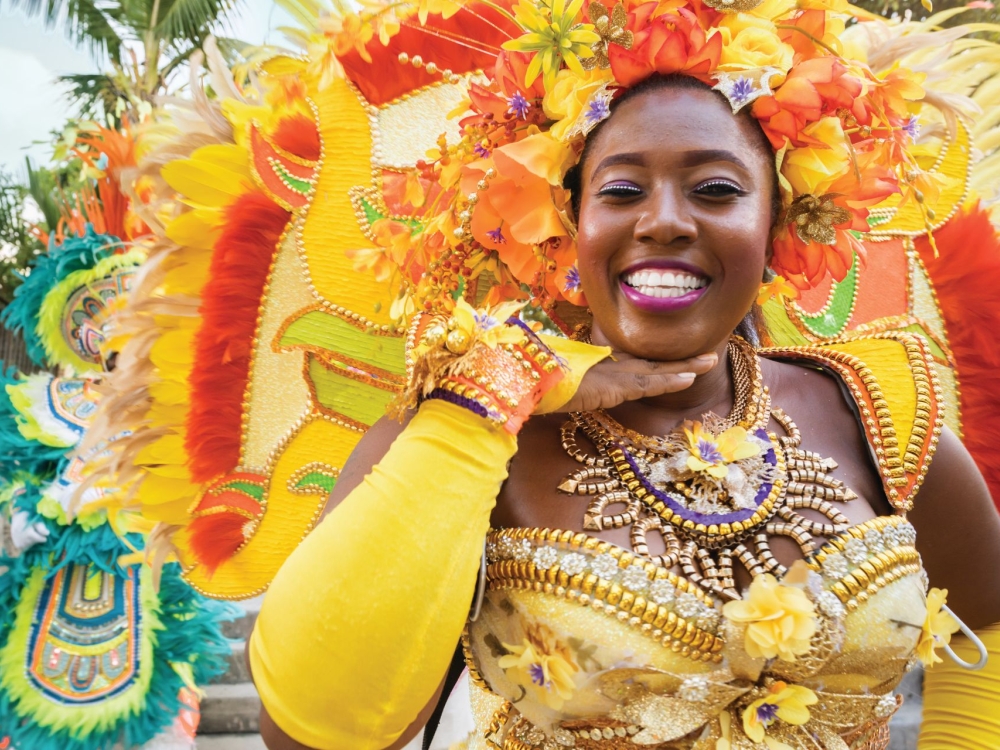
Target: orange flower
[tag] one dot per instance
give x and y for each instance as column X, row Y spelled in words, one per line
column 670, row 43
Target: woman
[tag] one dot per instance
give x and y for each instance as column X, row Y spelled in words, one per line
column 693, row 480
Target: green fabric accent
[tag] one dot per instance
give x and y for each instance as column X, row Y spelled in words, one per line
column 359, row 401
column 833, row 319
column 322, row 330
column 372, row 215
column 249, row 488
column 317, row 479
column 936, row 350
column 780, row 327
column 50, row 314
column 290, row 180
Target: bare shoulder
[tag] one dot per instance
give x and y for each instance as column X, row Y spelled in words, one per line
column 958, row 533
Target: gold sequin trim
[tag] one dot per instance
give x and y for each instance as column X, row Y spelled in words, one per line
column 589, row 590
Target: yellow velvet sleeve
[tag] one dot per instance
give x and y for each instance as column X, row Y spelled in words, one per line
column 359, row 625
column 962, row 708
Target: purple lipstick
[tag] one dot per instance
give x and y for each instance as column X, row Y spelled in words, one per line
column 663, row 286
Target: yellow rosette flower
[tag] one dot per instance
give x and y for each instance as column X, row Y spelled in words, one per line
column 780, row 619
column 543, row 665
column 566, row 100
column 938, row 628
column 712, row 454
column 754, row 45
column 787, row 703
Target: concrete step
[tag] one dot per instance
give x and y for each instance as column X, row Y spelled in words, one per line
column 236, row 669
column 230, row 742
column 241, row 627
column 230, row 709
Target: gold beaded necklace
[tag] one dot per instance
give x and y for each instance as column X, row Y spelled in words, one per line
column 716, row 491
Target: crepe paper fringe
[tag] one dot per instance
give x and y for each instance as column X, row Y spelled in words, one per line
column 19, row 454
column 185, row 643
column 229, row 305
column 52, row 312
column 75, row 254
column 964, row 276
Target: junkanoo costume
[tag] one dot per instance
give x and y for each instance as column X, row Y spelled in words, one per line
column 312, row 208
column 94, row 652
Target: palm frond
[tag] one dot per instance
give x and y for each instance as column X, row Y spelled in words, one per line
column 90, row 23
column 190, row 20
column 42, row 188
column 95, row 97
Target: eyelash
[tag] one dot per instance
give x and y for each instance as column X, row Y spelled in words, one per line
column 620, row 190
column 734, row 188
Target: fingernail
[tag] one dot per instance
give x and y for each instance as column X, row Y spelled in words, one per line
column 686, row 375
column 707, row 358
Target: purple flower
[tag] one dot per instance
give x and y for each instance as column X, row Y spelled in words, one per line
column 709, row 452
column 481, row 151
column 497, row 236
column 485, row 322
column 912, row 128
column 573, row 279
column 767, row 713
column 538, row 675
column 519, row 106
column 597, row 111
column 742, row 89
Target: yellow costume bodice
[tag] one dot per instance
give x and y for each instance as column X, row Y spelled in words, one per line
column 581, row 643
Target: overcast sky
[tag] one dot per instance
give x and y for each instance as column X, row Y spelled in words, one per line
column 31, row 57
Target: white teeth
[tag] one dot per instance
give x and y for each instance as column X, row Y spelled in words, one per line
column 651, row 283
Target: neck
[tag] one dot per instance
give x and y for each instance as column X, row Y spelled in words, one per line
column 712, row 391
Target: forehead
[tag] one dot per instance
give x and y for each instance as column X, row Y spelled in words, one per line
column 670, row 120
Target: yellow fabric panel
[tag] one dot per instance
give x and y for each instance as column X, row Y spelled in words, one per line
column 962, row 708
column 331, row 226
column 889, row 362
column 361, row 622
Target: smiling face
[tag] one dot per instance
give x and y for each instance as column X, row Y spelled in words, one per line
column 674, row 222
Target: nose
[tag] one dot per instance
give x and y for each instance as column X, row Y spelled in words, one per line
column 666, row 218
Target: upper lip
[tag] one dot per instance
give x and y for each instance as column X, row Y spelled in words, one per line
column 670, row 264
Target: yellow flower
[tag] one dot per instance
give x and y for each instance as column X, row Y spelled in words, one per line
column 778, row 288
column 466, row 326
column 812, row 169
column 938, row 628
column 712, row 454
column 553, row 37
column 780, row 619
column 754, row 46
column 772, row 9
column 542, row 665
column 787, row 703
column 568, row 97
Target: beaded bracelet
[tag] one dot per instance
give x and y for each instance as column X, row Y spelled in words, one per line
column 497, row 370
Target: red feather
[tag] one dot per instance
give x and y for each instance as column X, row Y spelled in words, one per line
column 215, row 538
column 965, row 276
column 230, row 300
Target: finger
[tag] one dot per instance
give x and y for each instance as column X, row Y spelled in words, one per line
column 608, row 390
column 698, row 365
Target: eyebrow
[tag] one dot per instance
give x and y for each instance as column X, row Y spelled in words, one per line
column 689, row 159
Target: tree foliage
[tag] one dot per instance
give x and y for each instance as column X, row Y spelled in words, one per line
column 18, row 242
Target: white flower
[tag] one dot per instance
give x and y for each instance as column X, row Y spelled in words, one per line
column 573, row 563
column 874, row 541
column 891, row 537
column 835, row 566
column 545, row 557
column 662, row 592
column 830, row 605
column 694, row 689
column 604, row 566
column 907, row 534
column 635, row 578
column 521, row 550
column 856, row 551
column 687, row 606
column 886, row 705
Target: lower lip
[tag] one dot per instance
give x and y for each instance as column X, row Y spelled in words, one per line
column 661, row 304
